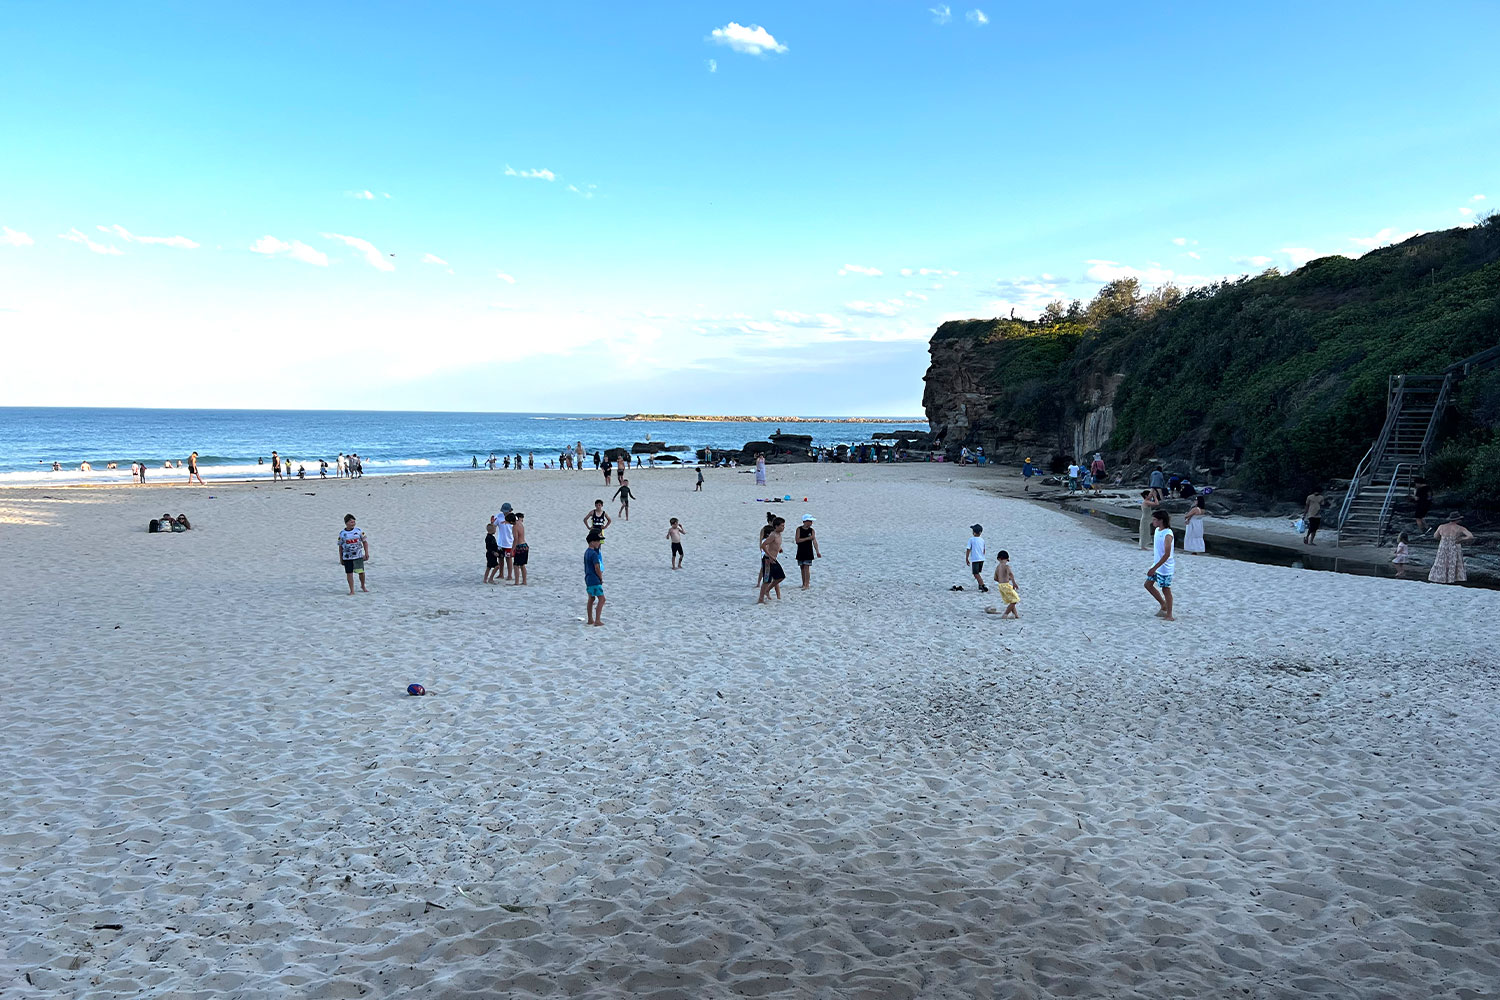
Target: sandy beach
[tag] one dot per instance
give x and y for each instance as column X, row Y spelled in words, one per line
column 216, row 784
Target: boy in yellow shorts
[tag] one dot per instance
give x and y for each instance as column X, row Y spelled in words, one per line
column 1006, row 584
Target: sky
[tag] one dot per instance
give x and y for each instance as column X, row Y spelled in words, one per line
column 701, row 207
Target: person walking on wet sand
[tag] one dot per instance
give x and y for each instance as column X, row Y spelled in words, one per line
column 1160, row 573
column 624, row 495
column 276, row 472
column 193, row 470
column 593, row 579
column 354, row 549
column 1312, row 513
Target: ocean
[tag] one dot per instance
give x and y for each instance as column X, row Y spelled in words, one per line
column 230, row 443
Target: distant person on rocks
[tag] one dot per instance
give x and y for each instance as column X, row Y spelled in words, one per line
column 974, row 555
column 520, row 551
column 1160, row 573
column 1097, row 467
column 1073, row 473
column 593, row 579
column 354, row 549
column 276, row 471
column 193, row 470
column 1448, row 563
column 1005, row 582
column 1312, row 513
column 1421, row 495
column 675, row 531
column 807, row 549
column 1158, row 484
column 624, row 495
column 597, row 519
column 491, row 554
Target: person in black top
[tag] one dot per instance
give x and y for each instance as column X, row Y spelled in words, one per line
column 491, row 555
column 807, row 549
column 624, row 495
column 1422, row 494
column 598, row 518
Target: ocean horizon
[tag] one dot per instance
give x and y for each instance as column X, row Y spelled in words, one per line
column 234, row 443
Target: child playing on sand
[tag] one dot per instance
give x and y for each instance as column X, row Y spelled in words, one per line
column 1005, row 579
column 593, row 578
column 675, row 531
column 354, row 549
column 520, row 551
column 771, row 572
column 1160, row 574
column 974, row 556
column 491, row 554
column 624, row 495
column 1403, row 554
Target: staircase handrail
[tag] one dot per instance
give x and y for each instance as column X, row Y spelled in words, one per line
column 1436, row 418
column 1360, row 471
column 1483, row 359
column 1392, row 415
column 1390, row 500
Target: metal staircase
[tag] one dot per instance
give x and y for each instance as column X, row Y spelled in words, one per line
column 1414, row 407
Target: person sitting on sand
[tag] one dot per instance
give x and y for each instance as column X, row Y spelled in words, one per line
column 182, row 523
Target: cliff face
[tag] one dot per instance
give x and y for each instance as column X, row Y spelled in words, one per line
column 1273, row 383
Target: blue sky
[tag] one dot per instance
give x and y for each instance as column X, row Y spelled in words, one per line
column 690, row 207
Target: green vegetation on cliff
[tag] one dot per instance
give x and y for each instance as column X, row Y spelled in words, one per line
column 1280, row 379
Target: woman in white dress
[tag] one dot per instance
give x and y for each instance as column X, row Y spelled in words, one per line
column 760, row 470
column 1192, row 531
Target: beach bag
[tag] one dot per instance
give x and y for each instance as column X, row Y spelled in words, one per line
column 1299, row 526
column 153, row 527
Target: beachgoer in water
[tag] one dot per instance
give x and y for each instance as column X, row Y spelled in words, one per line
column 597, row 519
column 807, row 549
column 1005, row 582
column 1192, row 528
column 675, row 531
column 974, row 555
column 1312, row 510
column 1149, row 504
column 354, row 549
column 771, row 572
column 1448, row 563
column 1160, row 573
column 593, row 579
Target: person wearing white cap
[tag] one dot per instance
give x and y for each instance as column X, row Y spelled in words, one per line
column 807, row 549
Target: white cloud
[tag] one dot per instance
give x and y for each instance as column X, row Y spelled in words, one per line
column 10, row 238
column 752, row 40
column 1151, row 276
column 759, row 326
column 182, row 242
column 537, row 173
column 1465, row 210
column 976, row 16
column 74, row 236
column 1477, row 197
column 887, row 308
column 372, row 254
column 916, row 295
column 873, row 272
column 1193, row 254
column 927, row 272
column 1301, row 255
column 810, row 321
column 432, row 258
column 587, row 191
column 1256, row 261
column 712, row 64
column 941, row 14
column 505, row 277
column 362, row 195
column 1380, row 239
column 297, row 250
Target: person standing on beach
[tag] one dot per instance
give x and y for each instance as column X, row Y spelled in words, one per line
column 491, row 554
column 699, row 487
column 193, row 470
column 1005, row 581
column 1448, row 561
column 1027, row 471
column 276, row 471
column 354, row 549
column 974, row 556
column 1148, row 506
column 624, row 495
column 1312, row 513
column 593, row 579
column 608, row 471
column 622, row 465
column 1192, row 528
column 505, row 538
column 771, row 572
column 1158, row 484
column 675, row 531
column 597, row 519
column 760, row 470
column 521, row 552
column 807, row 549
column 1160, row 573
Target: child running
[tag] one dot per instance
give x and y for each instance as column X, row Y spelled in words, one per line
column 1005, row 581
column 624, row 495
column 675, row 531
column 491, row 554
column 354, row 549
column 974, row 556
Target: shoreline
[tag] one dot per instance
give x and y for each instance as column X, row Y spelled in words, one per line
column 678, row 418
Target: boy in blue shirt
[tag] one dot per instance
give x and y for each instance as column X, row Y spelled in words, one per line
column 593, row 578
